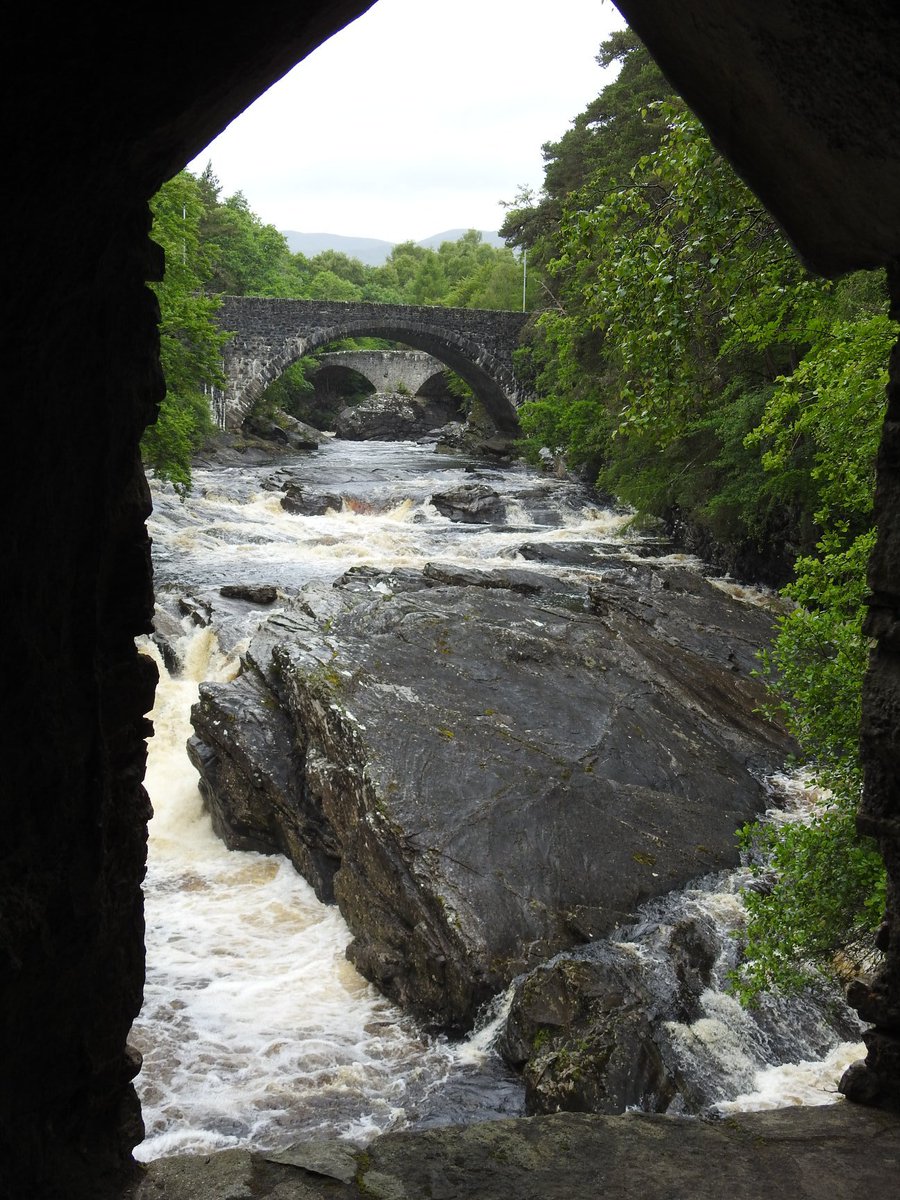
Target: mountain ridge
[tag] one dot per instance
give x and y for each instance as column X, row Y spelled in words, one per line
column 373, row 252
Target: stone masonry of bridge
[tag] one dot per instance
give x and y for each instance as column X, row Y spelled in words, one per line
column 388, row 370
column 270, row 334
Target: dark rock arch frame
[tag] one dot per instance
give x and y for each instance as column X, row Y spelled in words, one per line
column 802, row 97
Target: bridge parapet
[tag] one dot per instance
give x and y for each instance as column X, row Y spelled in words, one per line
column 270, row 334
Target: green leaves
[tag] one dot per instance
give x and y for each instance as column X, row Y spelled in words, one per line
column 190, row 340
column 818, row 913
column 678, row 268
column 705, row 377
column 832, row 405
column 827, row 893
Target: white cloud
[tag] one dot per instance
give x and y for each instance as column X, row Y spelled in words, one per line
column 421, row 116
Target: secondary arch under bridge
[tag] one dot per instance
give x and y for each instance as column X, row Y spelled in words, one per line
column 268, row 335
column 387, row 370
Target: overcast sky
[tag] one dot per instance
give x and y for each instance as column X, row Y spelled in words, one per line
column 419, row 117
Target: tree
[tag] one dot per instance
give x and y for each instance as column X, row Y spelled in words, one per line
column 827, row 892
column 325, row 285
column 681, row 304
column 404, row 261
column 429, row 284
column 564, row 358
column 190, row 341
column 688, row 360
column 341, row 265
column 602, row 146
column 247, row 257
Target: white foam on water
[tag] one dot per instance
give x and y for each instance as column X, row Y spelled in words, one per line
column 479, row 1046
column 799, row 1083
column 387, row 521
column 255, row 1027
column 760, row 597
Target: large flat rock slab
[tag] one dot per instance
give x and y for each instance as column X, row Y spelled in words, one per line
column 488, row 768
column 841, row 1152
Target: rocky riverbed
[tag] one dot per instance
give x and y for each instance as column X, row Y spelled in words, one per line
column 484, row 768
column 495, row 726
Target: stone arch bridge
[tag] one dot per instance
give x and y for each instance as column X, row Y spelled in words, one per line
column 270, row 334
column 385, row 370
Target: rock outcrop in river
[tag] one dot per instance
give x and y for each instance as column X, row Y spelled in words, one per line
column 484, row 768
column 394, row 416
column 645, row 1018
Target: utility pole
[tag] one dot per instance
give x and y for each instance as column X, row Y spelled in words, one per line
column 524, row 275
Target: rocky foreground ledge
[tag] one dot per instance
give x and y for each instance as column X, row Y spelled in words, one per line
column 484, row 768
column 841, row 1152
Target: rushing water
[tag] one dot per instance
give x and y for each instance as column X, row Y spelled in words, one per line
column 783, row 1050
column 255, row 1029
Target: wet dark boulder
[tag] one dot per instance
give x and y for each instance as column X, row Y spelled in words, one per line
column 528, row 583
column 286, row 431
column 470, row 437
column 392, row 416
column 646, row 1018
column 252, row 782
column 308, row 502
column 499, row 775
column 252, row 593
column 594, row 553
column 583, row 1033
column 472, row 503
column 590, row 1028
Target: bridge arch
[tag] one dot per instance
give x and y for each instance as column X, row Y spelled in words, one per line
column 269, row 335
column 342, row 379
column 481, row 370
column 386, row 370
column 435, row 384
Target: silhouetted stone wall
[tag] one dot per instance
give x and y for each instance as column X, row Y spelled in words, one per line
column 100, row 114
column 803, row 96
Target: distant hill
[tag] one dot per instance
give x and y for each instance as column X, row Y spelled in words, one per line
column 453, row 235
column 371, row 251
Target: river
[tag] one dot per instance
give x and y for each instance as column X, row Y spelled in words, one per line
column 255, row 1029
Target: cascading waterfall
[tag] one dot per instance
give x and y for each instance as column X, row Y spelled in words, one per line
column 782, row 1050
column 255, row 1029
